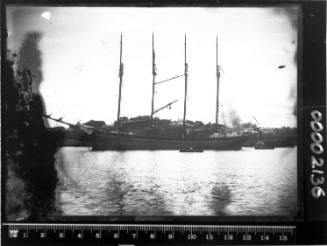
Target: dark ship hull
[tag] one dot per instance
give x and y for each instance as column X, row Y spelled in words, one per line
column 264, row 147
column 128, row 142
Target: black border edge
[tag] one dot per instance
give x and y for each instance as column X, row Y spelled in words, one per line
column 300, row 171
column 314, row 98
column 308, row 232
column 313, row 230
column 3, row 122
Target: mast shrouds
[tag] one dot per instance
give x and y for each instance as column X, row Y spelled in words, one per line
column 185, row 88
column 154, row 73
column 218, row 76
column 121, row 72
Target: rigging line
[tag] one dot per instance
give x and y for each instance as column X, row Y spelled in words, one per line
column 167, row 105
column 256, row 121
column 166, row 80
column 58, row 120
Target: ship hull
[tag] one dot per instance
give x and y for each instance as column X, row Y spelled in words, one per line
column 124, row 142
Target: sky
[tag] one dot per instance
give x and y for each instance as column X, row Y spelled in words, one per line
column 80, row 61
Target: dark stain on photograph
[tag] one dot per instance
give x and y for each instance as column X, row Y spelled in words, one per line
column 30, row 146
column 221, row 197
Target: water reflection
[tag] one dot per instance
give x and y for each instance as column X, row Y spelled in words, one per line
column 141, row 183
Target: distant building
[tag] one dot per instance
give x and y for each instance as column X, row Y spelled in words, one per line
column 227, row 132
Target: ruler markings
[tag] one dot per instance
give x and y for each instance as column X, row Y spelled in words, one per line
column 40, row 227
column 153, row 232
column 147, row 227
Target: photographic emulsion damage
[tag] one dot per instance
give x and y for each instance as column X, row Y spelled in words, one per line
column 137, row 111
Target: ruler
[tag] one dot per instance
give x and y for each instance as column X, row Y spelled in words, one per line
column 131, row 234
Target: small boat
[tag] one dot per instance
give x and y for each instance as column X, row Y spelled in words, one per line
column 191, row 150
column 261, row 145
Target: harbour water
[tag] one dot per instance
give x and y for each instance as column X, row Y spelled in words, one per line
column 246, row 182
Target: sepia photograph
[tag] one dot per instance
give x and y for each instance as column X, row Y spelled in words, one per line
column 161, row 111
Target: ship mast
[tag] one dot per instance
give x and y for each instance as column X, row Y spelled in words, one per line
column 153, row 77
column 154, row 83
column 218, row 76
column 121, row 71
column 185, row 92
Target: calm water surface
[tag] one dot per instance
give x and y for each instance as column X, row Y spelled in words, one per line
column 247, row 182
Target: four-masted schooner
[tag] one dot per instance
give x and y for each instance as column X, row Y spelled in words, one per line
column 119, row 141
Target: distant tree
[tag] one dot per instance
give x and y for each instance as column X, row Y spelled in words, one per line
column 198, row 124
